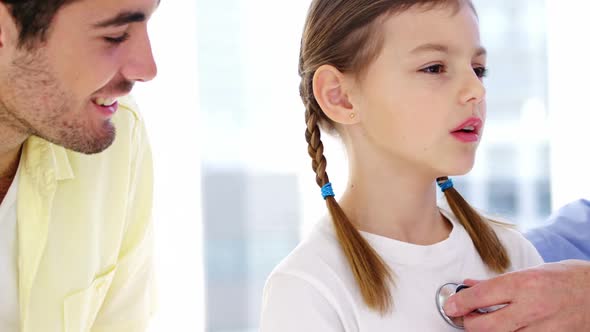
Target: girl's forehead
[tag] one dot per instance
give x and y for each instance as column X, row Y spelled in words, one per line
column 442, row 24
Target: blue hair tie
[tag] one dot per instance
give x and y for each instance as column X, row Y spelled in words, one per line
column 327, row 191
column 446, row 185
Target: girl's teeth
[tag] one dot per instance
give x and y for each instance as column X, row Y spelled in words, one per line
column 470, row 128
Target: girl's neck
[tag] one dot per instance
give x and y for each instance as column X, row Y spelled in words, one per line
column 395, row 200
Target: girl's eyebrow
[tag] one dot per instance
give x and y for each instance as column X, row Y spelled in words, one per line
column 430, row 47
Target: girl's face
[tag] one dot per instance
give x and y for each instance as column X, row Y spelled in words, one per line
column 422, row 100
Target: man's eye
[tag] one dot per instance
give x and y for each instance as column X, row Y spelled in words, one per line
column 434, row 69
column 117, row 40
column 481, row 72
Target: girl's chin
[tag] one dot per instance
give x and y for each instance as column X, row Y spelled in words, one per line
column 459, row 170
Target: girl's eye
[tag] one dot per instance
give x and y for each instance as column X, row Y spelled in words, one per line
column 117, row 40
column 481, row 72
column 434, row 69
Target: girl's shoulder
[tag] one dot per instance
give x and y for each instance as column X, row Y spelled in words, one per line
column 520, row 250
column 314, row 282
column 316, row 256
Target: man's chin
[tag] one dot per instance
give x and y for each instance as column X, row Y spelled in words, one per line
column 97, row 147
column 86, row 142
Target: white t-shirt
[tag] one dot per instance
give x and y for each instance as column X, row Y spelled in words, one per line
column 9, row 307
column 313, row 288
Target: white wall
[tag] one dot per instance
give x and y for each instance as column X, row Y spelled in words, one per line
column 169, row 105
column 569, row 88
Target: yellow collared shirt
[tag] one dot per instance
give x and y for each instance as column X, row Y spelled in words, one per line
column 85, row 233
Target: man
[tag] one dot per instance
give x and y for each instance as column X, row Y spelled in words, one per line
column 75, row 166
column 551, row 297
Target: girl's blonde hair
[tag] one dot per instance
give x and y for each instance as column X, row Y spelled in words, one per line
column 344, row 34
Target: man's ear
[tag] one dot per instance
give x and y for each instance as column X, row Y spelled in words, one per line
column 330, row 91
column 9, row 32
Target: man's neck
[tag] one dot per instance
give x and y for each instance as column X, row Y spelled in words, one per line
column 9, row 161
column 13, row 135
column 12, row 139
column 5, row 184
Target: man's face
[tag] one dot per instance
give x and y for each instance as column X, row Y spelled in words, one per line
column 64, row 89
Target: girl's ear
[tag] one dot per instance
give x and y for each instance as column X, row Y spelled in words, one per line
column 331, row 93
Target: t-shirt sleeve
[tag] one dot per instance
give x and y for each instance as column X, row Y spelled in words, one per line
column 293, row 304
column 522, row 253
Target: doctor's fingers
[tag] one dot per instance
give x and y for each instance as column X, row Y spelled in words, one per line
column 506, row 319
column 524, row 312
column 472, row 282
column 488, row 293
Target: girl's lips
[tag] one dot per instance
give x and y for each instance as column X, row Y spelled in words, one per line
column 474, row 122
column 471, row 134
column 466, row 137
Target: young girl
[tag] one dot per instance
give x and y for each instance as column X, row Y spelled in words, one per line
column 400, row 82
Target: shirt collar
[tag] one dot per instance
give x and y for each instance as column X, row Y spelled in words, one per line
column 43, row 155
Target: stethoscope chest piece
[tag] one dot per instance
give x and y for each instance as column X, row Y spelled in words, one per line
column 447, row 290
column 442, row 295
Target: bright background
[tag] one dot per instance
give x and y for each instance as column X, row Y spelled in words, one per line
column 234, row 187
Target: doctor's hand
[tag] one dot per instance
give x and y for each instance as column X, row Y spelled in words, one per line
column 549, row 297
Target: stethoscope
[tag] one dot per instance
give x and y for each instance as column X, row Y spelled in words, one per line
column 447, row 290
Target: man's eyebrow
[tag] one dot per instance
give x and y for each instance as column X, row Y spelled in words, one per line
column 121, row 19
column 443, row 49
